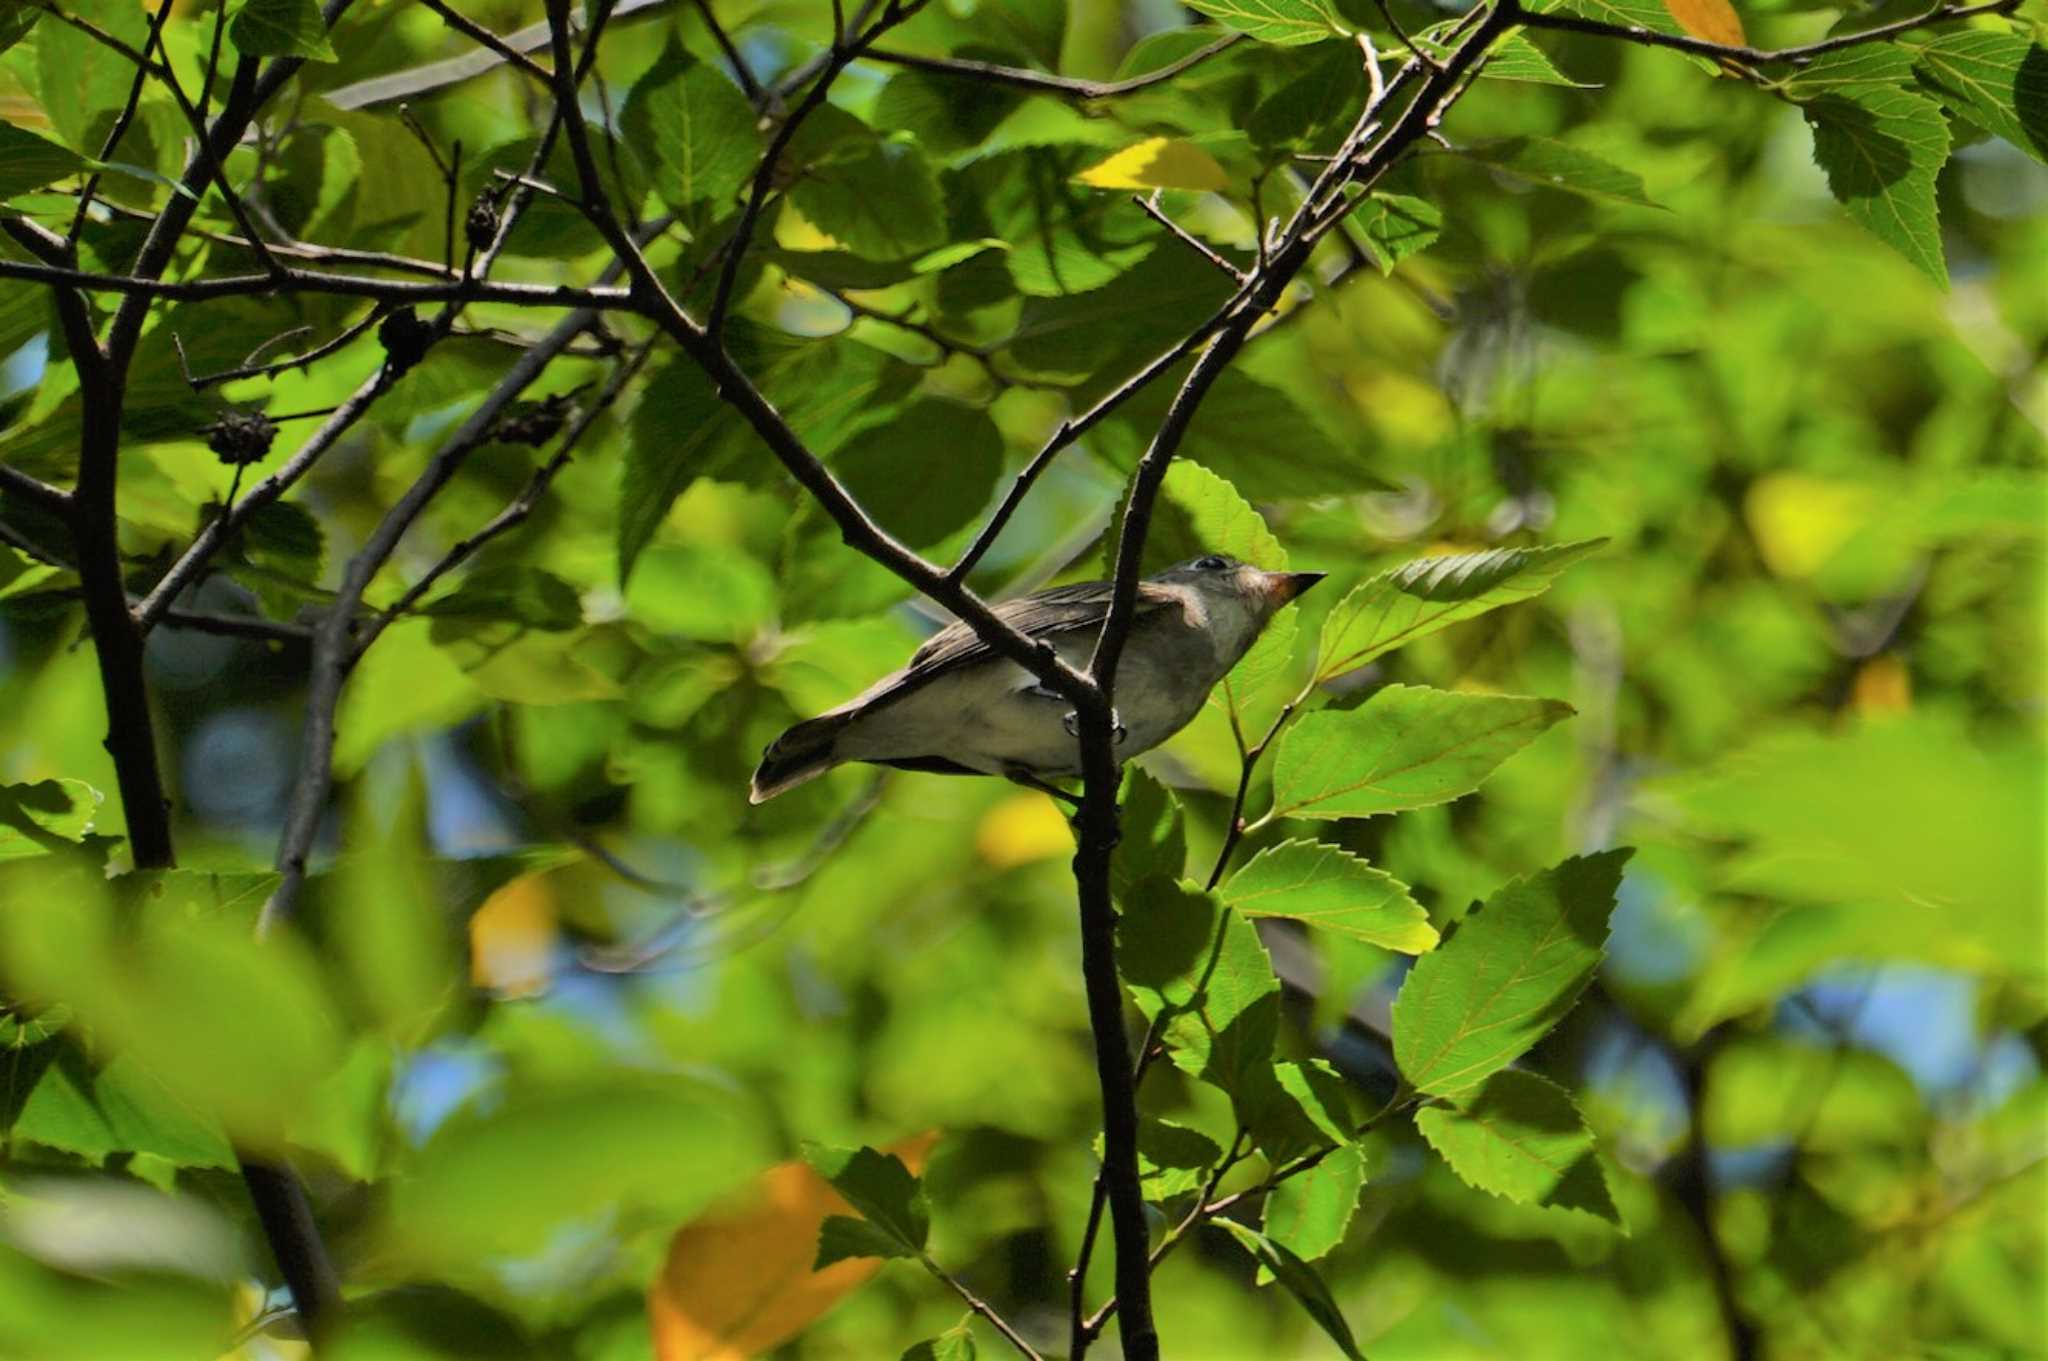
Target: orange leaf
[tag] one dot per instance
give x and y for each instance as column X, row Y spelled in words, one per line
column 1714, row 20
column 739, row 1282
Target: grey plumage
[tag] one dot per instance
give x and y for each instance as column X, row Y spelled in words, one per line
column 959, row 707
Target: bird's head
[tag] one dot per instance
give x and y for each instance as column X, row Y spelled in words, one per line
column 1220, row 580
column 1237, row 598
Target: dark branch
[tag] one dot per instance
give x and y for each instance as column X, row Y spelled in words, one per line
column 1760, row 56
column 1040, row 82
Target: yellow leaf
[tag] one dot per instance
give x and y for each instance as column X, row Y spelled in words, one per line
column 1801, row 521
column 512, row 937
column 1714, row 20
column 738, row 1283
column 1022, row 829
column 1157, row 163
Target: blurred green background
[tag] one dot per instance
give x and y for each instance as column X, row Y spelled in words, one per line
column 1807, row 669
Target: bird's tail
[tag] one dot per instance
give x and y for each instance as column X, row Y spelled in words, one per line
column 803, row 753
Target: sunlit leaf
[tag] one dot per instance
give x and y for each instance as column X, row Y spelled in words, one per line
column 1417, row 598
column 1328, row 888
column 1282, row 22
column 1157, row 163
column 1406, row 747
column 1509, row 973
column 1310, row 1211
column 49, row 815
column 1881, row 146
column 1999, row 81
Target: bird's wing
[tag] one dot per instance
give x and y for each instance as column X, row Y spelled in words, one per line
column 1045, row 614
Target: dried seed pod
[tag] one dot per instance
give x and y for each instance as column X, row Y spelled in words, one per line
column 405, row 339
column 534, row 423
column 480, row 228
column 238, row 437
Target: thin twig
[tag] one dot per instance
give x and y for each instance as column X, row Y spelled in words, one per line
column 250, row 369
column 520, row 508
column 483, row 37
column 844, row 53
column 394, row 291
column 981, row 1307
column 748, row 84
column 1040, row 82
column 120, row 126
column 1150, row 204
column 1760, row 56
column 17, row 483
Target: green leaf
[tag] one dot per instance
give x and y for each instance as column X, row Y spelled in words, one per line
column 663, row 1146
column 841, row 1237
column 876, row 197
column 1396, row 226
column 1172, row 1158
column 1407, row 747
column 1301, row 1281
column 1157, row 163
column 1558, row 165
column 955, row 1344
column 1284, row 23
column 1649, row 14
column 1309, row 1212
column 669, row 445
column 890, row 1199
column 15, row 22
column 1881, row 146
column 1417, row 598
column 49, row 815
column 1521, row 1137
column 281, row 28
column 1198, row 512
column 1252, row 434
column 1506, row 975
column 1998, row 81
column 1516, row 57
column 710, row 594
column 30, row 162
column 1322, row 1095
column 1204, row 966
column 926, row 473
column 1154, row 835
column 695, row 127
column 1312, row 108
column 1331, row 889
column 84, row 82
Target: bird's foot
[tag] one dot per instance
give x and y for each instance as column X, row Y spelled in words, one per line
column 1117, row 731
column 1019, row 775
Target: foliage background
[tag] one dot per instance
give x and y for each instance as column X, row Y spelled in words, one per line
column 1806, row 668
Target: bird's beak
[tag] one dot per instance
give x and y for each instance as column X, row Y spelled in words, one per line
column 1282, row 587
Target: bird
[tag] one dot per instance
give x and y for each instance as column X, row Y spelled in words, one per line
column 958, row 707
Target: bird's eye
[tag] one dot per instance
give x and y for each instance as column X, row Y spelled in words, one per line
column 1212, row 563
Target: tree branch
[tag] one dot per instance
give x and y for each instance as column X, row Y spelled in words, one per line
column 1040, row 82
column 1759, row 56
column 288, row 280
